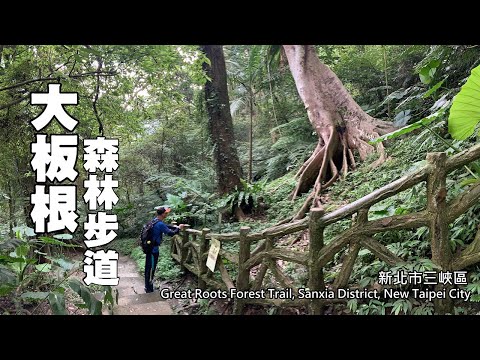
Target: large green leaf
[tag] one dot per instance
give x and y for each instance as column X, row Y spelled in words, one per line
column 63, row 236
column 465, row 111
column 469, row 181
column 364, row 252
column 402, row 118
column 24, row 230
column 6, row 275
column 425, row 76
column 57, row 303
column 52, row 241
column 10, row 259
column 427, row 73
column 94, row 305
column 434, row 88
column 39, row 295
column 44, row 267
column 108, row 295
column 405, row 130
column 20, row 252
column 64, row 264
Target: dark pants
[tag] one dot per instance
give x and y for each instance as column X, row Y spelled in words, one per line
column 151, row 261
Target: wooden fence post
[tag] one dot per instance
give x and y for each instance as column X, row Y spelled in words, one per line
column 315, row 273
column 343, row 276
column 437, row 209
column 183, row 254
column 172, row 243
column 202, row 271
column 243, row 277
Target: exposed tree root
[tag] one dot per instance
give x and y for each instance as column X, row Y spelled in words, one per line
column 353, row 164
column 340, row 123
column 325, row 163
column 309, row 170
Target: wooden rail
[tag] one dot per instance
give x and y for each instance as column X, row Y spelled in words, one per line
column 191, row 248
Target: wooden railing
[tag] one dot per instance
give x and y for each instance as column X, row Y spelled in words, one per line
column 191, row 248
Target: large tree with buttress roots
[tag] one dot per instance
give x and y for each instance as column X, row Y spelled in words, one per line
column 341, row 125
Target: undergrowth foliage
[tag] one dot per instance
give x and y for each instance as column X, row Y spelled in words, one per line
column 35, row 271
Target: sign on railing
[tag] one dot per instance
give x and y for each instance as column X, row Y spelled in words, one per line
column 213, row 254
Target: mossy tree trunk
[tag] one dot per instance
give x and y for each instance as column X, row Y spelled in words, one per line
column 220, row 120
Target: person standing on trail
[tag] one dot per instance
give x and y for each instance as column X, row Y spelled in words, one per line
column 151, row 258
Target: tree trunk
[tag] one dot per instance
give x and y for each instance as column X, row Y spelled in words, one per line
column 220, row 120
column 29, row 188
column 274, row 134
column 163, row 144
column 11, row 209
column 341, row 125
column 128, row 195
column 250, row 150
column 26, row 187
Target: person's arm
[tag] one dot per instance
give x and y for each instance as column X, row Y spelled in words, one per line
column 166, row 230
column 175, row 227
